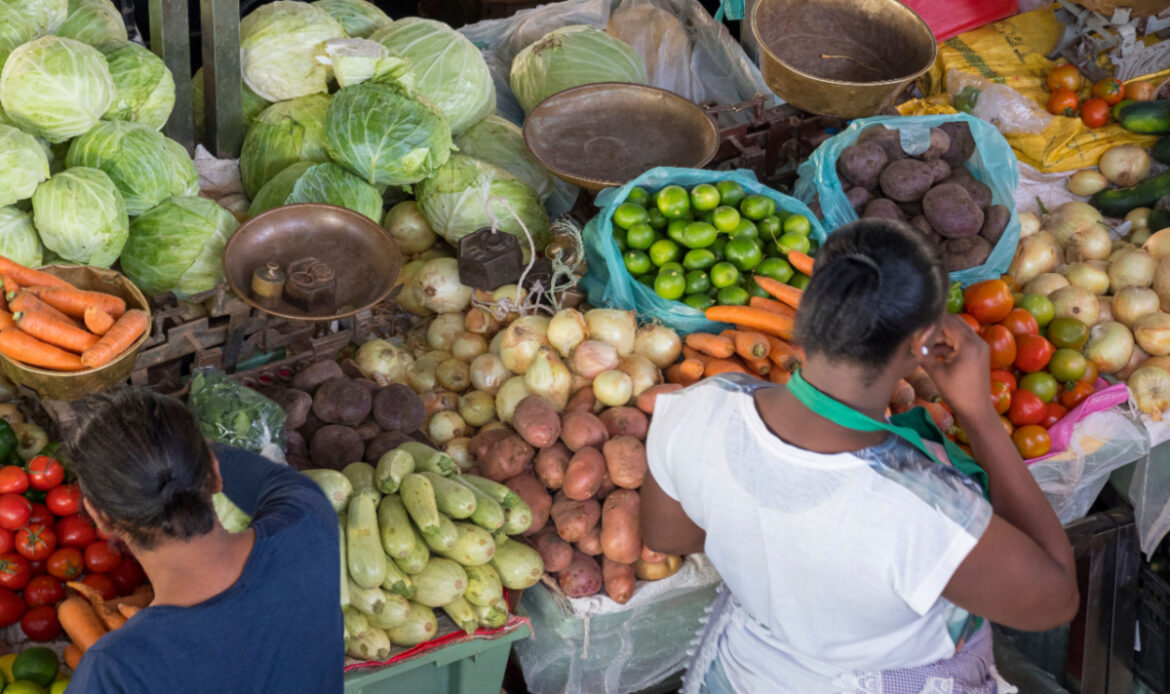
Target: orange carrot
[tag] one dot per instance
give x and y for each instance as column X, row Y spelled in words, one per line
column 97, row 321
column 779, row 376
column 722, row 366
column 128, row 611
column 751, row 345
column 784, row 292
column 117, row 339
column 30, row 277
column 784, row 355
column 759, row 367
column 753, row 319
column 10, row 285
column 803, row 262
column 695, row 354
column 27, row 302
column 80, row 622
column 73, row 302
column 773, row 306
column 72, row 656
column 685, row 372
column 6, row 320
column 711, row 345
column 22, row 347
column 54, row 332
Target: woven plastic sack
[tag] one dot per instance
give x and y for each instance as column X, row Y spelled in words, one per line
column 993, row 163
column 608, row 283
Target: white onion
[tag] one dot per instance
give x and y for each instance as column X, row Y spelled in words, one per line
column 1125, row 165
column 1150, row 386
column 1093, row 243
column 488, row 373
column 1140, row 237
column 1046, row 284
column 509, row 396
column 439, row 288
column 408, row 298
column 521, row 340
column 1138, row 218
column 1162, row 282
column 1136, row 360
column 1029, row 224
column 642, row 372
column 1105, row 309
column 1088, row 277
column 659, row 344
column 481, row 322
column 1071, row 218
column 1120, row 248
column 1087, row 182
column 409, row 228
column 613, row 388
column 477, row 408
column 1037, row 254
column 421, row 376
column 1132, row 303
column 1109, row 347
column 513, row 295
column 1133, row 269
column 468, row 346
column 1158, row 244
column 592, row 357
column 1152, row 333
column 1158, row 362
column 382, row 362
column 446, row 426
column 566, row 330
column 443, row 330
column 549, row 378
column 460, row 453
column 494, row 345
column 453, row 375
column 613, row 327
column 1075, row 302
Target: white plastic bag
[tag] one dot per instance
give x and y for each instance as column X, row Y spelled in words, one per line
column 1149, row 490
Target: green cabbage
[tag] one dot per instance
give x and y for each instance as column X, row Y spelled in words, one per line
column 384, row 136
column 251, row 104
column 145, row 89
column 56, row 88
column 328, row 183
column 138, row 160
column 569, row 57
column 23, row 165
column 95, row 22
column 283, row 134
column 18, row 238
column 44, row 15
column 456, row 202
column 81, row 216
column 279, row 46
column 450, row 71
column 354, row 61
column 358, row 17
column 178, row 246
column 498, row 141
column 14, row 30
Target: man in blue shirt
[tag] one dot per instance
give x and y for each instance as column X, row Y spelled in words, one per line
column 252, row 612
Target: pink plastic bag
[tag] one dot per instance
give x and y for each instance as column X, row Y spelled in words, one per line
column 1106, row 397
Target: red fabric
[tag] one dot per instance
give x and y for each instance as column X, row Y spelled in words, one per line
column 949, row 18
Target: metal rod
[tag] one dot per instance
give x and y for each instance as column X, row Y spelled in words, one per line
column 170, row 39
column 221, row 77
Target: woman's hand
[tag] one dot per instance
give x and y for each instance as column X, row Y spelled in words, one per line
column 958, row 364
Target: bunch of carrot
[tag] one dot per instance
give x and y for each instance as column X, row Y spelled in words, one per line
column 86, row 617
column 48, row 323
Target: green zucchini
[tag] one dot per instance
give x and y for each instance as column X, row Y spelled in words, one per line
column 397, row 581
column 336, row 486
column 443, row 539
column 398, row 535
column 1147, row 117
column 463, row 615
column 488, row 513
column 1117, row 202
column 439, row 583
column 428, row 459
column 394, row 610
column 421, row 626
column 363, row 549
column 361, row 476
column 392, row 467
column 474, row 546
column 483, row 585
column 453, row 499
column 418, row 495
column 502, row 494
column 1159, row 219
column 1161, row 150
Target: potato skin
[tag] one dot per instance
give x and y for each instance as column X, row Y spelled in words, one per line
column 537, row 421
column 384, row 443
column 626, row 421
column 334, row 446
column 398, row 408
column 582, row 429
column 979, row 192
column 584, row 474
column 555, row 552
column 962, row 143
column 883, row 208
column 315, row 374
column 625, row 460
column 960, row 254
column 940, row 144
column 573, row 519
column 646, row 400
column 952, row 212
column 940, row 169
column 528, row 488
column 621, row 536
column 582, row 401
column 858, row 198
column 619, row 580
column 906, row 180
column 582, row 578
column 995, row 221
column 550, row 465
column 590, row 543
column 481, row 443
column 341, row 401
column 889, row 140
column 861, row 164
column 507, row 458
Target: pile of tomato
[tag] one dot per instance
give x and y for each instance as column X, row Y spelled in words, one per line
column 46, row 539
column 1103, row 99
column 1038, row 373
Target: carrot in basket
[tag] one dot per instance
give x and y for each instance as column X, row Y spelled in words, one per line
column 759, row 367
column 784, row 292
column 711, row 345
column 772, row 306
column 30, row 277
column 803, row 262
column 722, row 366
column 751, row 345
column 753, row 319
column 54, row 331
column 24, row 301
column 97, row 321
column 73, row 302
column 22, row 347
column 80, row 622
column 117, row 339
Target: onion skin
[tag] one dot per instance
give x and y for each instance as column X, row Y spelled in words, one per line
column 1110, row 347
column 1029, row 224
column 1075, row 302
column 444, row 330
column 488, row 373
column 1133, row 269
column 521, row 341
column 382, row 362
column 1087, row 182
column 1152, row 333
column 1150, row 386
column 593, row 357
column 566, row 330
column 1046, row 284
column 658, row 343
column 1132, row 303
column 1162, row 282
column 1125, row 165
column 614, row 327
column 409, row 228
column 613, row 388
column 1158, row 244
column 438, row 286
column 1037, row 254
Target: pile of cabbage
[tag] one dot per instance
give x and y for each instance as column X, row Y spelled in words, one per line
column 85, row 175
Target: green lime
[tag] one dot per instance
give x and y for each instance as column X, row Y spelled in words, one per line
column 725, row 219
column 706, row 217
column 700, row 302
column 790, row 242
column 718, row 247
column 37, row 664
column 670, row 285
column 637, row 262
column 771, row 227
column 778, row 269
column 756, row 207
column 724, row 275
column 674, row 230
column 1040, row 306
column 647, row 279
column 744, row 254
column 699, row 259
column 730, row 193
column 754, row 289
column 628, row 214
column 674, row 202
column 747, row 228
column 640, row 236
column 797, row 224
column 800, row 280
column 619, row 237
column 704, row 197
column 59, row 686
column 699, row 235
column 638, row 196
column 656, row 219
column 733, row 296
column 697, row 282
column 664, row 251
column 672, row 267
column 24, row 687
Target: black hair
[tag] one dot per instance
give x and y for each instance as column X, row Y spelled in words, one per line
column 142, row 462
column 875, row 281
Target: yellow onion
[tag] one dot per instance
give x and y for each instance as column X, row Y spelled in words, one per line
column 566, row 330
column 1075, row 302
column 453, row 375
column 468, row 346
column 446, row 426
column 1150, row 386
column 488, row 373
column 477, row 408
column 1110, row 347
column 1158, row 244
column 460, row 453
column 659, row 344
column 613, row 388
column 509, row 396
column 613, row 327
column 1088, row 276
column 443, row 331
column 1133, row 269
column 592, row 357
column 408, row 298
column 481, row 322
column 642, row 372
column 549, row 378
column 1046, row 284
column 521, row 340
column 1037, row 254
column 1132, row 303
column 1152, row 333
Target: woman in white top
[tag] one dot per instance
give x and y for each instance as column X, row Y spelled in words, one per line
column 853, row 561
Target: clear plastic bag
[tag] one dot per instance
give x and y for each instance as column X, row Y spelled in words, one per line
column 993, row 163
column 235, row 415
column 1005, row 108
column 608, row 283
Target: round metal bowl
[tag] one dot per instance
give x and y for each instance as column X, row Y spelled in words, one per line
column 601, row 135
column 364, row 258
column 844, row 58
column 73, row 385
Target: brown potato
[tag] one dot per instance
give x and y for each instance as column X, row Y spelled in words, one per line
column 861, row 164
column 528, row 488
column 858, row 198
column 507, row 458
column 537, row 421
column 582, row 401
column 591, row 543
column 582, row 578
column 626, row 421
column 951, row 211
column 574, row 518
column 619, row 580
column 645, row 401
column 962, row 144
column 906, row 180
column 625, row 460
column 885, row 209
column 555, row 552
column 888, row 139
column 581, row 429
column 651, row 557
column 334, row 446
column 621, row 535
column 584, row 474
column 995, row 221
column 550, row 465
column 607, row 486
column 960, row 254
column 940, row 144
column 481, row 443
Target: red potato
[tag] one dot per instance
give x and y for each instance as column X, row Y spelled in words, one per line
column 645, row 401
column 528, row 488
column 606, row 487
column 537, row 421
column 573, row 519
column 582, row 401
column 591, row 543
column 550, row 465
column 625, row 421
column 582, row 578
column 555, row 552
column 581, row 429
column 584, row 473
column 619, row 580
column 621, row 537
column 481, row 443
column 651, row 557
column 507, row 458
column 625, row 460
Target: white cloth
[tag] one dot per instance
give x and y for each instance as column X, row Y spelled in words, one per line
column 837, row 562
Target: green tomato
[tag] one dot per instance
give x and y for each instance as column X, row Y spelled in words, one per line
column 674, row 230
column 791, row 242
column 619, row 237
column 800, row 280
column 756, row 207
column 664, row 251
column 647, row 279
column 628, row 214
column 1067, row 365
column 797, row 224
column 733, row 296
column 778, row 269
column 725, row 219
column 730, row 193
column 699, row 302
column 638, row 196
column 771, row 227
column 697, row 282
column 670, row 285
column 1040, row 306
column 724, row 274
column 637, row 262
column 699, row 235
column 744, row 254
column 1041, row 383
column 657, row 219
column 699, row 259
column 674, row 202
column 747, row 229
column 704, row 197
column 640, row 236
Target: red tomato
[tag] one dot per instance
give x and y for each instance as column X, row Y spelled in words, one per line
column 1027, row 408
column 14, row 511
column 1002, row 346
column 989, row 301
column 1007, row 425
column 41, row 624
column 44, row 473
column 1076, row 395
column 970, row 320
column 1063, row 102
column 37, row 568
column 44, row 590
column 1021, row 322
column 63, row 501
column 128, row 576
column 1053, row 413
column 7, row 540
column 66, row 563
column 14, row 571
column 1033, row 353
column 36, row 542
column 12, row 607
column 1032, row 441
column 13, row 480
column 103, row 584
column 1094, row 112
column 1001, row 396
column 41, row 515
column 75, row 531
column 1064, row 76
column 1002, row 375
column 101, row 557
column 1109, row 90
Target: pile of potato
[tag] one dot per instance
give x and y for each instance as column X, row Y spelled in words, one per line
column 934, row 191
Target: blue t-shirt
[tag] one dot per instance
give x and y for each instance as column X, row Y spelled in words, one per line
column 278, row 628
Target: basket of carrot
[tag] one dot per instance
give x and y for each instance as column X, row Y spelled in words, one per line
column 67, row 331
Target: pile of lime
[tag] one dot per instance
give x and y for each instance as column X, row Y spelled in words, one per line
column 702, row 246
column 34, row 670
